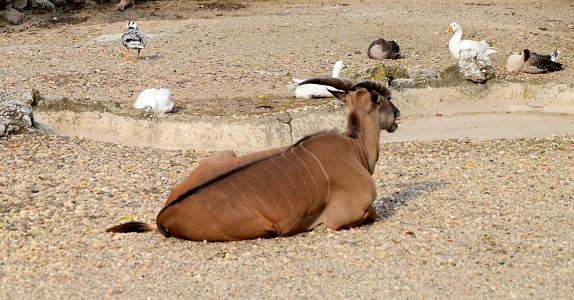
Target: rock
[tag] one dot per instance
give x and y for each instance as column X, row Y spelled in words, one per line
column 382, row 72
column 401, row 81
column 4, row 3
column 475, row 66
column 16, row 110
column 76, row 1
column 30, row 97
column 15, row 117
column 394, row 75
column 45, row 5
column 12, row 16
column 19, row 4
column 422, row 74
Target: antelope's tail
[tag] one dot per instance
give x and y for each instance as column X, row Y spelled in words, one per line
column 132, row 227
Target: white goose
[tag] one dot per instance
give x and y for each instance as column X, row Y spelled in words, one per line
column 457, row 43
column 309, row 91
column 158, row 100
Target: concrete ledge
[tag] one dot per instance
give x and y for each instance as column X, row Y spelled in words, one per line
column 500, row 97
column 248, row 134
column 262, row 132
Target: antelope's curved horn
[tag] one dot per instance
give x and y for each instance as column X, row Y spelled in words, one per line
column 340, row 84
column 377, row 86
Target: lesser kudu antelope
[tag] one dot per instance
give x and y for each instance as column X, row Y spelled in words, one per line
column 323, row 180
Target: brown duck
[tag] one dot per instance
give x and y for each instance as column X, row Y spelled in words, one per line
column 529, row 62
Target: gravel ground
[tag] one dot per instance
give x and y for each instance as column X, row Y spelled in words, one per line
column 456, row 218
column 464, row 218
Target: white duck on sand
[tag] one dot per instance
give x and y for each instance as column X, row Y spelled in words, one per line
column 158, row 100
column 528, row 62
column 309, row 91
column 133, row 38
column 456, row 43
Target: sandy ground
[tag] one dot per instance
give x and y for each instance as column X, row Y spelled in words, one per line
column 457, row 218
column 223, row 58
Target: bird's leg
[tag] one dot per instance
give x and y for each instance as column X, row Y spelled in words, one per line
column 138, row 54
column 128, row 55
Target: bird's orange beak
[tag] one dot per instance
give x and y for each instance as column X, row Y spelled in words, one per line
column 449, row 29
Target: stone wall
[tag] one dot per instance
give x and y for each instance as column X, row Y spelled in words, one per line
column 16, row 111
column 14, row 11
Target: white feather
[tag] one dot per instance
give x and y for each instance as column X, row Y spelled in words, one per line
column 158, row 100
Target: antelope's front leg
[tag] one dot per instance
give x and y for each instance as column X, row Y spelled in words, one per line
column 351, row 201
column 346, row 210
column 370, row 217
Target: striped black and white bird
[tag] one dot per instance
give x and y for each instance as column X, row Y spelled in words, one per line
column 529, row 62
column 133, row 38
column 383, row 49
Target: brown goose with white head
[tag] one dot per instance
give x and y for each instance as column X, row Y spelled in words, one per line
column 530, row 62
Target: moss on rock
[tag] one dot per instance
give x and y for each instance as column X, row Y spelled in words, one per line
column 383, row 73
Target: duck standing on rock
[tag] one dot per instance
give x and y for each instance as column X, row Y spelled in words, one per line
column 133, row 38
column 456, row 43
column 382, row 49
column 528, row 62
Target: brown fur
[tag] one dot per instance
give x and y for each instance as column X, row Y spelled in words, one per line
column 323, row 180
column 123, row 4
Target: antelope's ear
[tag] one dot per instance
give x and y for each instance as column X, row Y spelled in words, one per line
column 376, row 98
column 340, row 95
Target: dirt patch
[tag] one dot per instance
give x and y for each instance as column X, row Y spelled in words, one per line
column 228, row 57
column 251, row 106
column 221, row 6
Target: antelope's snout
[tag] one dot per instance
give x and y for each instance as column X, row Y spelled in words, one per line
column 393, row 115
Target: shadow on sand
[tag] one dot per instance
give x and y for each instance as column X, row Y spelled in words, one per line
column 387, row 205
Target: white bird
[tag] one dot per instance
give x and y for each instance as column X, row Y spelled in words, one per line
column 158, row 100
column 528, row 62
column 309, row 91
column 383, row 49
column 133, row 38
column 457, row 44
